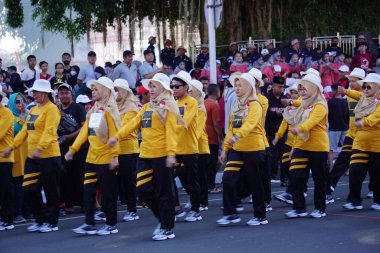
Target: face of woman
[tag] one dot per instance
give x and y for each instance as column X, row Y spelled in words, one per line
column 239, row 88
column 59, row 69
column 153, row 90
column 19, row 103
column 303, row 92
column 369, row 89
column 40, row 97
column 353, row 81
column 238, row 57
column 294, row 94
column 95, row 93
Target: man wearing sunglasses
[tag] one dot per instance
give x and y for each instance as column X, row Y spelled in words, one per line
column 187, row 149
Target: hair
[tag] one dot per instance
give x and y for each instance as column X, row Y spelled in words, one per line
column 179, row 80
column 213, row 89
column 42, row 63
column 30, row 57
column 66, row 54
column 203, row 78
column 197, row 65
column 58, row 63
column 334, row 87
column 292, row 72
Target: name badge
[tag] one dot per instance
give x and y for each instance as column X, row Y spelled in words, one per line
column 95, row 119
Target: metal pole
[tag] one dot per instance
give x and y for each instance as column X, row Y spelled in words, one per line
column 211, row 40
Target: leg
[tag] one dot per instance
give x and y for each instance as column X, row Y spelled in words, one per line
column 317, row 163
column 358, row 172
column 374, row 164
column 127, row 175
column 89, row 190
column 7, row 193
column 266, row 177
column 285, row 163
column 212, row 165
column 202, row 175
column 299, row 170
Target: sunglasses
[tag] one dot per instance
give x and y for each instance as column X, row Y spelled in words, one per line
column 175, row 86
column 366, row 87
column 18, row 102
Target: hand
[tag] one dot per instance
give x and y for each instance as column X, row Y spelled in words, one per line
column 285, row 101
column 112, row 142
column 69, row 156
column 342, row 90
column 295, row 131
column 275, row 141
column 278, row 111
column 231, row 140
column 36, row 154
column 359, row 124
column 7, row 152
column 223, row 157
column 170, row 161
column 114, row 163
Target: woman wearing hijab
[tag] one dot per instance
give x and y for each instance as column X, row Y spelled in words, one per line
column 245, row 145
column 129, row 148
column 102, row 122
column 17, row 105
column 203, row 147
column 366, row 148
column 310, row 148
column 43, row 165
column 158, row 121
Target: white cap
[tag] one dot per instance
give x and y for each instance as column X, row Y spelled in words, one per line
column 308, row 39
column 314, row 80
column 218, row 62
column 344, row 68
column 65, row 85
column 184, row 76
column 258, row 75
column 358, row 73
column 295, row 41
column 41, row 85
column 123, row 84
column 246, row 77
column 361, row 37
column 310, row 71
column 160, row 78
column 104, row 81
column 83, row 99
column 277, row 68
column 251, row 46
column 371, row 78
column 268, row 42
column 197, row 85
column 264, row 51
column 243, row 49
column 293, row 87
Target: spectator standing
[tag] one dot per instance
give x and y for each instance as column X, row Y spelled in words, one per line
column 148, row 69
column 363, row 59
column 167, row 54
column 127, row 70
column 182, row 57
column 203, row 57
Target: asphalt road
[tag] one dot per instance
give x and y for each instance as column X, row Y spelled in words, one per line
column 340, row 231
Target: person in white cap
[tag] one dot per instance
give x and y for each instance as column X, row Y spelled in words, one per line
column 128, row 106
column 7, row 197
column 310, row 149
column 187, row 150
column 158, row 121
column 43, row 165
column 342, row 163
column 102, row 122
column 308, row 53
column 85, row 101
column 343, row 80
column 245, row 145
column 196, row 92
column 182, row 57
column 365, row 155
column 295, row 49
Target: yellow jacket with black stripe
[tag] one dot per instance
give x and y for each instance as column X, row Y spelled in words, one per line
column 6, row 133
column 201, row 133
column 158, row 139
column 98, row 152
column 265, row 105
column 316, row 124
column 368, row 137
column 249, row 129
column 187, row 140
column 129, row 145
column 282, row 130
column 353, row 97
column 40, row 131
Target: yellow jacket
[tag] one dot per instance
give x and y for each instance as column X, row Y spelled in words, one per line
column 353, row 97
column 368, row 137
column 282, row 130
column 201, row 133
column 6, row 133
column 265, row 105
column 129, row 145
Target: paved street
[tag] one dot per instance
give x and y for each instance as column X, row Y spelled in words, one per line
column 340, row 231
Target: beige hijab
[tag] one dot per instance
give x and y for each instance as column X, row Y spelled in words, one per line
column 107, row 102
column 242, row 103
column 163, row 103
column 366, row 105
column 199, row 97
column 128, row 102
column 302, row 113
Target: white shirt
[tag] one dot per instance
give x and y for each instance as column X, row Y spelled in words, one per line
column 28, row 74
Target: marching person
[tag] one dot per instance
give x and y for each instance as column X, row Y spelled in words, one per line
column 102, row 122
column 310, row 149
column 158, row 121
column 245, row 145
column 6, row 164
column 43, row 165
column 365, row 154
column 128, row 106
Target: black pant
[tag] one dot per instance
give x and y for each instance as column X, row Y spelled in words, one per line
column 44, row 174
column 212, row 165
column 275, row 154
column 266, row 176
column 19, row 206
column 155, row 186
column 302, row 162
column 285, row 163
column 250, row 165
column 127, row 180
column 100, row 175
column 187, row 172
column 6, row 192
column 361, row 162
column 202, row 175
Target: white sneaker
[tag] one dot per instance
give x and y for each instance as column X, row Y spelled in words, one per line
column 100, row 216
column 187, row 206
column 239, row 208
column 350, row 206
column 370, row 195
column 257, row 221
column 6, row 226
column 164, row 234
column 157, row 230
column 317, row 214
column 375, row 206
column 229, row 219
column 193, row 216
column 107, row 230
column 203, row 208
column 34, row 227
column 296, row 214
column 130, row 216
column 85, row 229
column 46, row 228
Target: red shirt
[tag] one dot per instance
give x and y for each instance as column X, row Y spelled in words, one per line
column 363, row 61
column 45, row 77
column 213, row 117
